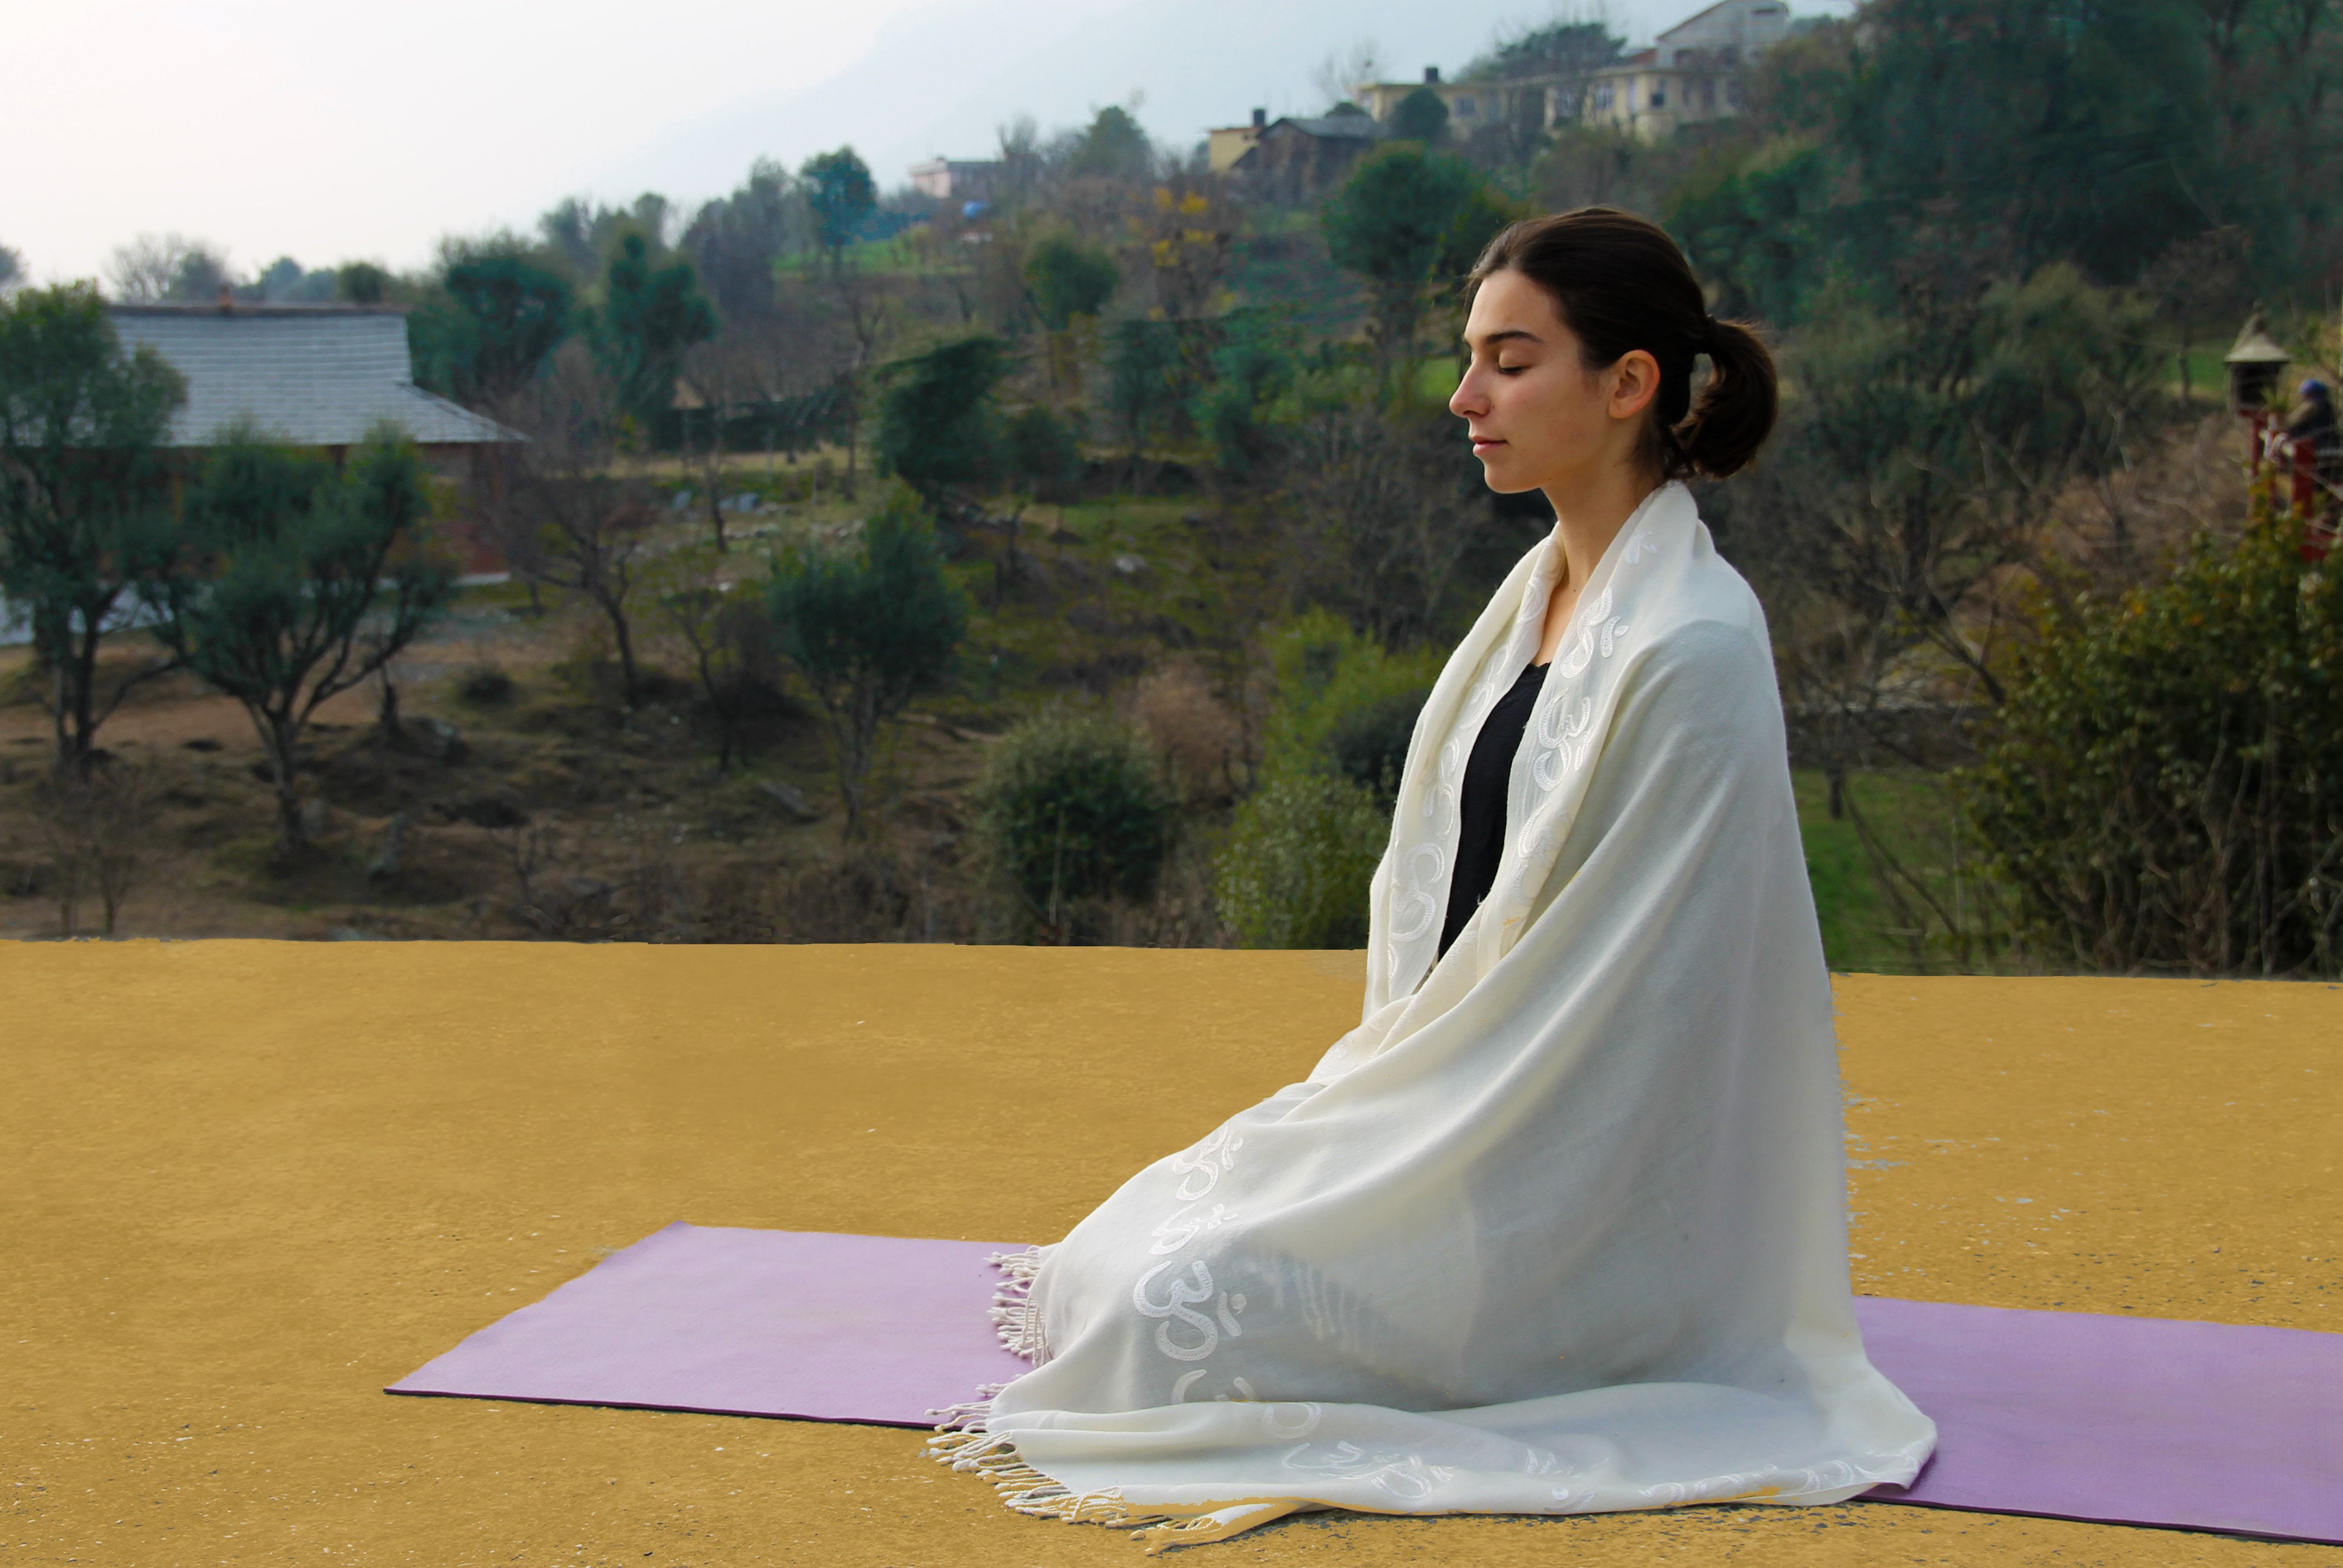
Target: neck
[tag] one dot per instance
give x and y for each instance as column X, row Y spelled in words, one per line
column 1589, row 514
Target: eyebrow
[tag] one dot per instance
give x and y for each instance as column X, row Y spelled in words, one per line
column 1511, row 332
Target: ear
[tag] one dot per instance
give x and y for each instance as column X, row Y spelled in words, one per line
column 1635, row 382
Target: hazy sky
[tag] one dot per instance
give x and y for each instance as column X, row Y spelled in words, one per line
column 328, row 130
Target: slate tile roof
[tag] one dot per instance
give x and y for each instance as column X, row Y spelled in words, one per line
column 309, row 374
column 1336, row 127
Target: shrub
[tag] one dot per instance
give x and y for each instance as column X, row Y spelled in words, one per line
column 1344, row 702
column 2163, row 789
column 1296, row 870
column 1196, row 734
column 1072, row 806
column 1297, row 867
column 1043, row 452
column 869, row 632
column 1368, row 743
column 486, row 686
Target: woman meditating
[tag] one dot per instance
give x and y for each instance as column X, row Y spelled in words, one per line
column 1561, row 1226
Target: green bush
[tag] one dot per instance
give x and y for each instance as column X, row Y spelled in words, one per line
column 1368, row 743
column 2163, row 789
column 1297, row 867
column 1340, row 696
column 1072, row 807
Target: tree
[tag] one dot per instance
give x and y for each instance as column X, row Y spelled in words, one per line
column 564, row 514
column 302, row 582
column 1143, row 376
column 839, row 193
column 1040, row 450
column 580, row 236
column 1068, row 280
column 1040, row 457
column 2092, row 143
column 937, row 428
column 85, row 503
column 842, row 196
column 361, row 283
column 2163, row 789
column 1420, row 117
column 501, row 317
column 1112, row 146
column 1405, row 218
column 12, row 269
column 167, row 266
column 1758, row 227
column 285, row 281
column 649, row 316
column 1573, row 51
column 869, row 633
column 730, row 636
column 735, row 240
column 1253, row 367
column 1068, row 285
column 1342, row 71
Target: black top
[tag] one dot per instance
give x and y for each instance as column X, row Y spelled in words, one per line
column 1480, row 834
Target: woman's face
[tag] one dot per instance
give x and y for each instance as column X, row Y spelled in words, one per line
column 1537, row 420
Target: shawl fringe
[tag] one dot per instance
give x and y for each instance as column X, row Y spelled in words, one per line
column 961, row 1443
column 1012, row 1312
column 994, row 1457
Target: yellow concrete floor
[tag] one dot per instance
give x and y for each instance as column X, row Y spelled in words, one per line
column 243, row 1185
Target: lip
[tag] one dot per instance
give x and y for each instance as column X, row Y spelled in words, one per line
column 1482, row 444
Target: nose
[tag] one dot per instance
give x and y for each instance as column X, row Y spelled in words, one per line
column 1467, row 400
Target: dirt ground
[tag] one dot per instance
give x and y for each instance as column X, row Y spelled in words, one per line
column 245, row 1184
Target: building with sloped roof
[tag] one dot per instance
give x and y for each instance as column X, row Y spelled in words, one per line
column 1690, row 73
column 1295, row 159
column 321, row 375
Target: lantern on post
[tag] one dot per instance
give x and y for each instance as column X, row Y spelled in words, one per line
column 2255, row 363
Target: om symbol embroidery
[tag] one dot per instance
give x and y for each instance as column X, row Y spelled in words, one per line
column 1180, row 1298
column 1205, row 1160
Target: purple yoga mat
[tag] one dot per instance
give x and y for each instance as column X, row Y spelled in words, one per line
column 872, row 1329
column 2078, row 1416
column 2141, row 1421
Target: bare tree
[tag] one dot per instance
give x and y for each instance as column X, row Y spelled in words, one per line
column 1343, row 71
column 564, row 514
column 1371, row 498
column 167, row 266
column 731, row 642
column 99, row 830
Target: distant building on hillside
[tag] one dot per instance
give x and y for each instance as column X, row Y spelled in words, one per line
column 1690, row 72
column 1224, row 144
column 1478, row 104
column 325, row 376
column 956, row 179
column 321, row 375
column 1293, row 160
column 1471, row 105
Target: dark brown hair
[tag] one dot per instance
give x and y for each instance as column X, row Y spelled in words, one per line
column 1619, row 283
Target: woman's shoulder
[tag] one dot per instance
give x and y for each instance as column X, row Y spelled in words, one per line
column 1705, row 607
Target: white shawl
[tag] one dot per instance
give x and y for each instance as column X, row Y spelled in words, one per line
column 1561, row 1226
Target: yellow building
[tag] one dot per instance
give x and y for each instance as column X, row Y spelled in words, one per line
column 1224, row 144
column 1471, row 105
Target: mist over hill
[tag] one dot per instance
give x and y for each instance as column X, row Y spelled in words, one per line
column 943, row 79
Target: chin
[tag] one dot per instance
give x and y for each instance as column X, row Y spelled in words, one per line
column 1503, row 482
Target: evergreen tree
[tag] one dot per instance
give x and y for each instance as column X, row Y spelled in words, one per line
column 84, row 500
